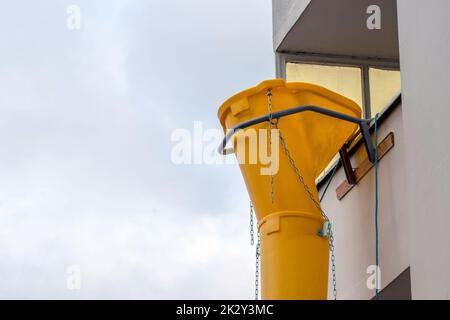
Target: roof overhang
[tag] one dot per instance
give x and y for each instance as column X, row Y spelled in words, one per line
column 340, row 28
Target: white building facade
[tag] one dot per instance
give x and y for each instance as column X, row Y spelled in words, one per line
column 391, row 57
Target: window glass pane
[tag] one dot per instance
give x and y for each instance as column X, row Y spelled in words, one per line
column 343, row 80
column 385, row 85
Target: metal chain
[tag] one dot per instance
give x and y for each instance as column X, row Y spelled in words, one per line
column 269, row 104
column 258, row 248
column 301, row 179
column 258, row 254
column 252, row 233
column 333, row 261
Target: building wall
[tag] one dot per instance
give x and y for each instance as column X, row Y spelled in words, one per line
column 353, row 217
column 424, row 34
column 414, row 176
column 285, row 14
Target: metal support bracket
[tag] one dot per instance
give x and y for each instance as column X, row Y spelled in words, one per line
column 347, row 165
column 363, row 127
column 364, row 167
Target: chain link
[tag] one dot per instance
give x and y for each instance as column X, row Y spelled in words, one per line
column 333, row 262
column 258, row 254
column 252, row 232
column 301, row 179
column 269, row 104
column 258, row 248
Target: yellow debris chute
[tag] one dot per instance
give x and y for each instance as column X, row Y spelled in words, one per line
column 294, row 258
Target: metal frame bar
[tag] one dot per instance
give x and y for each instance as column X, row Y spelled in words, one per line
column 363, row 126
column 352, row 148
column 365, row 79
column 331, row 60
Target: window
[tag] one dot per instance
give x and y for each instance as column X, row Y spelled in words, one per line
column 346, row 81
column 350, row 81
column 384, row 86
column 343, row 80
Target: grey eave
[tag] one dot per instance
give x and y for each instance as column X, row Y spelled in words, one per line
column 335, row 28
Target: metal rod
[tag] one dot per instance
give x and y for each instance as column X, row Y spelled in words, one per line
column 366, row 91
column 363, row 125
column 367, row 141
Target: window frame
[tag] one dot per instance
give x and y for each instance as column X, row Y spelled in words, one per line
column 364, row 64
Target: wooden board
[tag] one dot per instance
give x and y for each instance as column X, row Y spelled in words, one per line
column 383, row 147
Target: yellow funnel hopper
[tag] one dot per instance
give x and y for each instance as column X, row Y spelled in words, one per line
column 294, row 258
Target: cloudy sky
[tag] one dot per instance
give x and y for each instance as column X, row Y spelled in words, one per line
column 86, row 118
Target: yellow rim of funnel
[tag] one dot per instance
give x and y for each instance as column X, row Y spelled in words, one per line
column 224, row 109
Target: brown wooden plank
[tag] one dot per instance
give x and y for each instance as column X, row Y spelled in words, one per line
column 383, row 147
